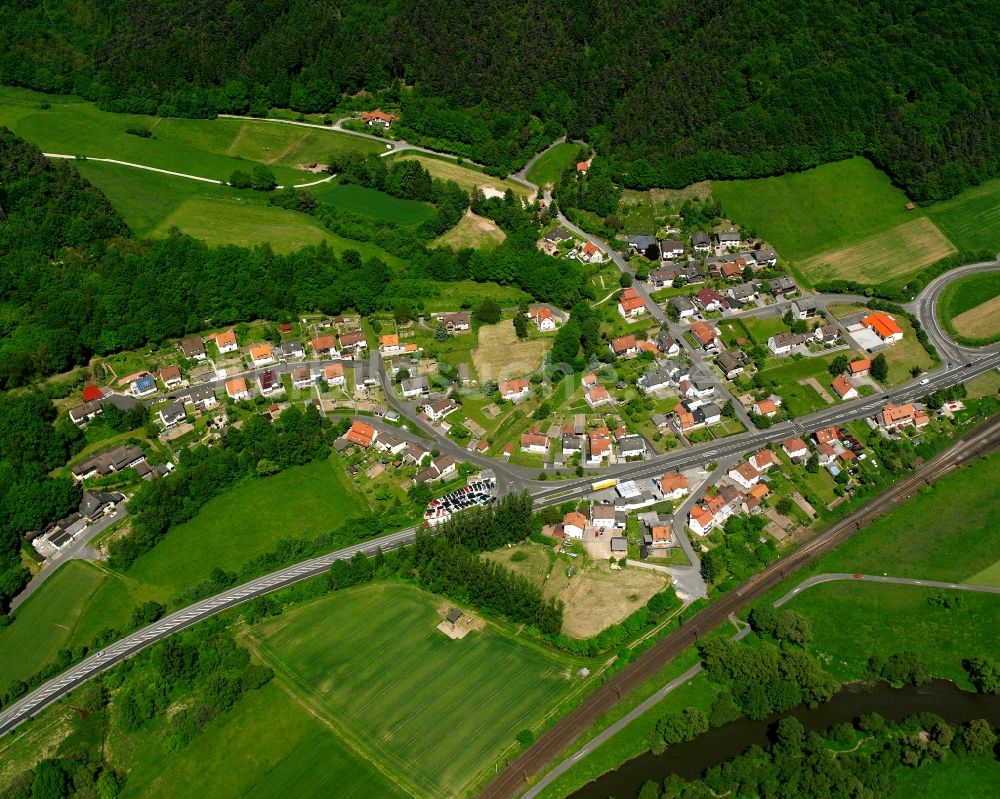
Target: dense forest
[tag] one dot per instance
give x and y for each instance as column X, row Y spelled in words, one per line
column 672, row 92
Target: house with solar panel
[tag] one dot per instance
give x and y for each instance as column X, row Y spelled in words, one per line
column 143, row 386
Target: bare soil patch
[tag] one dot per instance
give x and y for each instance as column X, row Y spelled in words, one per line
column 983, row 321
column 597, row 597
column 500, row 355
column 460, row 628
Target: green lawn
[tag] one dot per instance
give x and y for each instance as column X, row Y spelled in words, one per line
column 801, row 399
column 807, row 213
column 550, row 166
column 966, row 293
column 905, row 354
column 373, row 203
column 267, row 746
column 852, row 621
column 972, row 219
column 762, row 328
column 249, row 520
column 949, row 779
column 434, row 711
column 208, row 148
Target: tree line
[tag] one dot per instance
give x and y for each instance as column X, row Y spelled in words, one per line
column 669, row 93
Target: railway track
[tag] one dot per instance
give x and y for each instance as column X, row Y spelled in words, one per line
column 521, row 772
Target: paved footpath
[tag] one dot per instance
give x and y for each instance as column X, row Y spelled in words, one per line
column 677, row 682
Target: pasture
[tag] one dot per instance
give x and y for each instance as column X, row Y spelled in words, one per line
column 550, row 166
column 972, row 219
column 211, row 148
column 373, row 203
column 472, row 231
column 500, row 355
column 852, row 621
column 823, row 209
column 970, row 306
column 466, row 177
column 435, row 712
column 893, row 253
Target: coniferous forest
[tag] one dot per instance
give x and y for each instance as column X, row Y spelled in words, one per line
column 671, row 92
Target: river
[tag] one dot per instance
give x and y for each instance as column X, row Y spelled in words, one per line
column 720, row 744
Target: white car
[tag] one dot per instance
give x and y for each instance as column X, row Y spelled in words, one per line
column 925, row 381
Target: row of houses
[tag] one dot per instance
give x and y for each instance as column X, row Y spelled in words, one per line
column 729, row 267
column 595, row 448
column 269, row 382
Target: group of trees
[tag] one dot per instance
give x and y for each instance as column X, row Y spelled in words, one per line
column 739, row 552
column 668, row 94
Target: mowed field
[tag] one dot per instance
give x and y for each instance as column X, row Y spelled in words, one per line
column 472, row 231
column 840, row 220
column 81, row 599
column 500, row 355
column 208, row 148
column 972, row 219
column 434, row 712
column 372, row 203
column 970, row 306
column 549, row 167
column 465, row 177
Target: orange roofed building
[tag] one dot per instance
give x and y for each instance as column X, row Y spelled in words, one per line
column 361, row 434
column 379, row 118
column 883, row 326
column 237, row 389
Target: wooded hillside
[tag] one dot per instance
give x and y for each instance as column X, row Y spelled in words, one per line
column 673, row 91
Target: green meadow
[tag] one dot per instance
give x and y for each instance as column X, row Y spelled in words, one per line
column 550, row 166
column 373, row 203
column 435, row 711
column 972, row 219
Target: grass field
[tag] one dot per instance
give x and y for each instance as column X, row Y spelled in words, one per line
column 638, row 212
column 501, row 355
column 905, row 354
column 948, row 779
column 471, row 231
column 972, row 219
column 549, row 167
column 890, row 254
column 800, row 397
column 435, row 712
column 970, row 306
column 209, row 148
column 373, row 203
column 465, row 177
column 853, row 621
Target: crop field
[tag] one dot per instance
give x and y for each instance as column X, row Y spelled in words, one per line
column 981, row 322
column 853, row 621
column 373, row 203
column 820, row 210
column 500, row 355
column 208, row 148
column 972, row 219
column 549, row 167
column 890, row 254
column 472, row 231
column 433, row 711
column 464, row 176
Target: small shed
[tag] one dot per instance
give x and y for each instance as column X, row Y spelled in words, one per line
column 454, row 616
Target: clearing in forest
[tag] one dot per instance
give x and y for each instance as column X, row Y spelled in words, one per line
column 464, row 176
column 472, row 231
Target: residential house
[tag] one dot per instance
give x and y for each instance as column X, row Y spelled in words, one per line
column 684, row 307
column 763, row 460
column 782, row 343
column 732, row 363
column 671, row 248
column 730, row 239
column 291, row 349
column 707, row 414
column 630, row 304
column 859, row 368
column 95, row 504
column 590, row 254
column 202, row 397
column 804, row 308
column 743, row 293
column 193, row 348
column 826, row 435
column 301, row 377
column 827, row 334
column 365, row 375
column 261, row 354
column 796, row 449
column 361, row 434
column 170, row 376
column 639, row 244
column 883, row 326
column 765, row 257
column 755, row 496
column 582, row 168
column 457, row 322
column 767, row 407
column 462, row 374
column 574, row 524
column 226, row 342
column 534, row 442
column 693, row 273
column 631, row 446
column 543, row 318
column 624, row 346
column 558, row 235
column 604, row 516
column 143, row 386
column 706, row 336
column 392, row 442
column 172, row 414
column 730, row 270
column 745, row 476
column 668, row 345
column 391, row 345
column 656, row 380
column 845, row 390
column 354, row 340
column 418, row 386
column 660, row 536
column 781, row 286
column 701, row 520
column 515, row 390
column 599, row 441
column 663, row 276
column 893, row 417
column 445, row 466
column 697, row 388
column 333, row 374
column 107, row 462
column 709, row 299
column 597, row 397
column 438, row 409
column 826, row 454
column 378, row 119
column 237, row 389
column 269, row 382
column 325, row 347
column 571, row 444
column 589, row 380
column 415, row 454
column 700, row 242
column 673, row 485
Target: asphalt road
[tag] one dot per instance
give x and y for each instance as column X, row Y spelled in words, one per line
column 533, row 760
